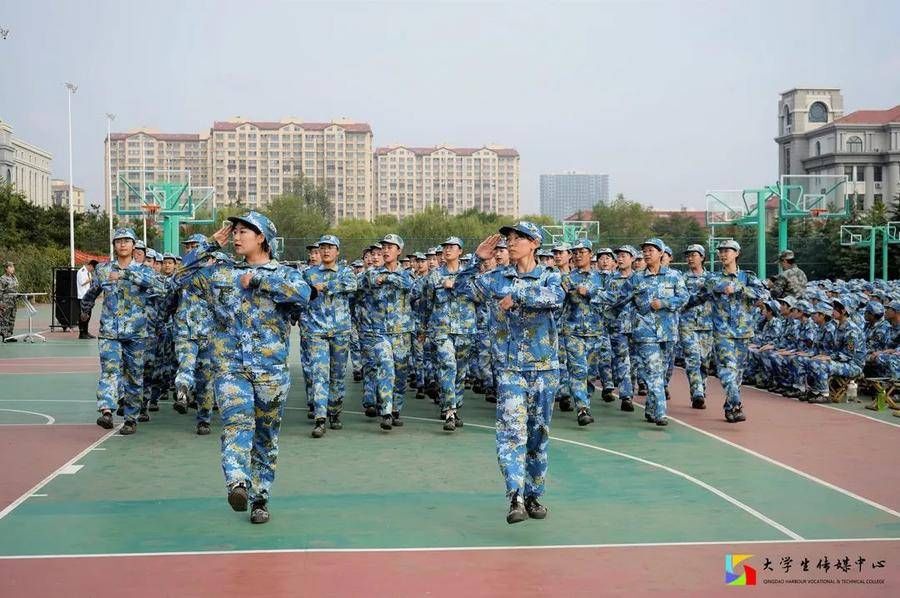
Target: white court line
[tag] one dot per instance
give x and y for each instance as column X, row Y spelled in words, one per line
column 12, row 506
column 787, row 467
column 71, row 469
column 439, row 549
column 38, row 495
column 50, row 420
column 737, row 503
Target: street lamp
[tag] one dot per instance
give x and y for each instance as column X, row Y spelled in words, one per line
column 72, row 89
column 109, row 202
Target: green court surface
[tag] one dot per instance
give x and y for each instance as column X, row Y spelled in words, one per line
column 619, row 481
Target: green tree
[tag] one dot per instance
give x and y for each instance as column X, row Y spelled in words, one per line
column 623, row 221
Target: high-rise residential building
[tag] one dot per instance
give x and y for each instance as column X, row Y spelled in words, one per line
column 60, row 195
column 815, row 137
column 26, row 166
column 570, row 192
column 252, row 162
column 410, row 179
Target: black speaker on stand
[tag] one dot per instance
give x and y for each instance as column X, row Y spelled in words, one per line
column 66, row 306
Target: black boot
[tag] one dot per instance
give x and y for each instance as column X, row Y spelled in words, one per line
column 517, row 512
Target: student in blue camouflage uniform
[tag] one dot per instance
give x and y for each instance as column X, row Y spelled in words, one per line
column 419, row 315
column 125, row 285
column 887, row 359
column 695, row 327
column 732, row 294
column 363, row 312
column 764, row 341
column 165, row 360
column 562, row 263
column 581, row 326
column 251, row 302
column 484, row 365
column 192, row 323
column 355, row 349
column 386, row 337
column 314, row 258
column 603, row 370
column 878, row 335
column 657, row 296
column 619, row 319
column 846, row 357
column 326, row 327
column 451, row 326
column 798, row 340
column 524, row 345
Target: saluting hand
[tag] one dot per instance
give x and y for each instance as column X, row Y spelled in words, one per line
column 486, row 249
column 222, row 235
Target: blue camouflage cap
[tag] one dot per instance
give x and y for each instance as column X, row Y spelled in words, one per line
column 140, row 245
column 195, row 238
column 329, row 240
column 667, row 250
column 773, row 305
column 150, row 253
column 563, row 247
column 803, row 306
column 788, row 300
column 453, row 241
column 695, row 248
column 729, row 244
column 169, row 256
column 431, row 251
column 583, row 244
column 260, row 223
column 157, row 256
column 466, row 257
column 502, row 244
column 629, row 249
column 875, row 308
column 124, row 233
column 375, row 246
column 894, row 305
column 523, row 227
column 605, row 251
column 654, row 242
column 824, row 308
column 393, row 240
column 357, row 264
column 542, row 252
column 419, row 255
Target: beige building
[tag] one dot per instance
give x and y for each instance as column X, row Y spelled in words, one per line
column 815, row 137
column 254, row 162
column 60, row 195
column 26, row 166
column 159, row 156
column 410, row 179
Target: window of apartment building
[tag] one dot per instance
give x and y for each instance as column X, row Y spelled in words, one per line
column 854, row 144
column 878, row 174
column 818, row 148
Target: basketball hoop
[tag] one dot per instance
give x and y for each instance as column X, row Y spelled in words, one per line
column 150, row 210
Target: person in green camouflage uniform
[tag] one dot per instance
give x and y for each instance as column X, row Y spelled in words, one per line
column 9, row 286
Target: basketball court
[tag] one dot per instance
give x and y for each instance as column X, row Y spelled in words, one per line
column 633, row 507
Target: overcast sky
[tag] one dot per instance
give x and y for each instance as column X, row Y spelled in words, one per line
column 669, row 98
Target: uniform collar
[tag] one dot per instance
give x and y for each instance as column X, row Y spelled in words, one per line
column 511, row 272
column 323, row 267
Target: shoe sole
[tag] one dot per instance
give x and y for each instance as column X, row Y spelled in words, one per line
column 538, row 515
column 127, row 431
column 202, row 431
column 180, row 408
column 104, row 424
column 510, row 519
column 238, row 500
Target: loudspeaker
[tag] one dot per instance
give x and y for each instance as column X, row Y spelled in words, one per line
column 66, row 306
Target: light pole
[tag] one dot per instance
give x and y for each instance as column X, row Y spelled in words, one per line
column 72, row 89
column 109, row 198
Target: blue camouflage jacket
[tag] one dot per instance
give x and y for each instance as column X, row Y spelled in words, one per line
column 697, row 313
column 450, row 311
column 850, row 344
column 524, row 338
column 619, row 315
column 125, row 302
column 386, row 304
column 771, row 332
column 656, row 326
column 251, row 327
column 329, row 313
column 733, row 315
column 579, row 315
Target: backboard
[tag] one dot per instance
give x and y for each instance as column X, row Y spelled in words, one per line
column 856, row 235
column 731, row 206
column 819, row 195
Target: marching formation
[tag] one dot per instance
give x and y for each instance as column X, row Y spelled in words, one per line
column 524, row 326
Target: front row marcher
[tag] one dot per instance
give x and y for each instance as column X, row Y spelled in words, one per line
column 522, row 299
column 251, row 302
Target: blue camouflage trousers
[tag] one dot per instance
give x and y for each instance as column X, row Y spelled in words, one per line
column 653, row 359
column 452, row 352
column 731, row 357
column 251, row 404
column 194, row 373
column 151, row 389
column 564, row 389
column 165, row 362
column 887, row 365
column 524, row 410
column 819, row 371
column 485, row 360
column 582, row 355
column 388, row 355
column 305, row 366
column 356, row 359
column 621, row 364
column 328, row 366
column 789, row 370
column 604, row 361
column 417, row 360
column 121, row 371
column 696, row 346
